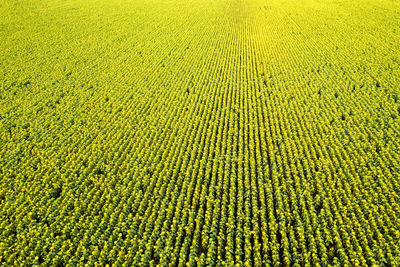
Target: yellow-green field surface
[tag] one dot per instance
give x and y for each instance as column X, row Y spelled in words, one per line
column 199, row 132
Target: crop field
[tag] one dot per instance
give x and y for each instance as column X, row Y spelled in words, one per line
column 199, row 132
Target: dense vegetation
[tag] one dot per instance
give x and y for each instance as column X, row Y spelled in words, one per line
column 204, row 132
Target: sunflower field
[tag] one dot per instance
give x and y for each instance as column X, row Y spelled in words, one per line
column 199, row 133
